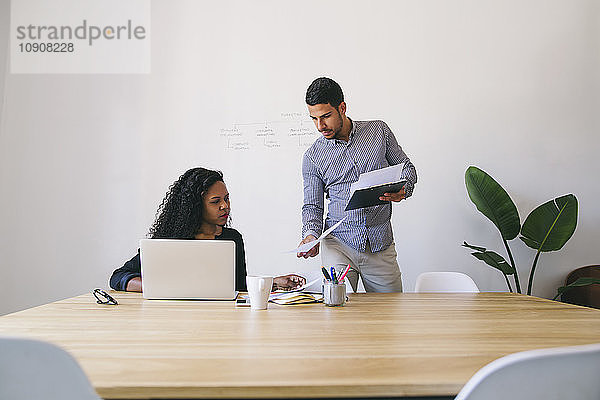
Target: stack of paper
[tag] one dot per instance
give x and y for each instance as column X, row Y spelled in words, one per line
column 296, row 298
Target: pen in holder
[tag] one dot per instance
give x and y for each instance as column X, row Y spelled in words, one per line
column 334, row 294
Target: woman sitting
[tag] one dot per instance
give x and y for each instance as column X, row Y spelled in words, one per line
column 196, row 207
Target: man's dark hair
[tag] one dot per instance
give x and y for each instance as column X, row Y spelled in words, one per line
column 324, row 91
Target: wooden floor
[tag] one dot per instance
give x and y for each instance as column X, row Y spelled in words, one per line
column 388, row 345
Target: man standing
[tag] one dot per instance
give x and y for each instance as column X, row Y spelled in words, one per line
column 345, row 150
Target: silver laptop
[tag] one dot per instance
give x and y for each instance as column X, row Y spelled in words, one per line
column 188, row 269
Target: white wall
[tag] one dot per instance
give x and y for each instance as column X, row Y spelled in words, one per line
column 512, row 87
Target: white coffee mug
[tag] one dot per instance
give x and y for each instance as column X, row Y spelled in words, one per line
column 259, row 289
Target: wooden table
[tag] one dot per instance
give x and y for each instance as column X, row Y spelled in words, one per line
column 377, row 345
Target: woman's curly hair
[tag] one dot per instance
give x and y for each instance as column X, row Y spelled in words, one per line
column 179, row 216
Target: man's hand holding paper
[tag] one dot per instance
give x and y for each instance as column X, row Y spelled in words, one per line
column 310, row 253
column 309, row 247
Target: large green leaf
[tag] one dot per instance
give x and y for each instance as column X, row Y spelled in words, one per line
column 491, row 258
column 579, row 282
column 493, row 202
column 551, row 225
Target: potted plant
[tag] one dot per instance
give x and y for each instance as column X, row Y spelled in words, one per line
column 547, row 228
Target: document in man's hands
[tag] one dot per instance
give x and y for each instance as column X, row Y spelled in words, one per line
column 373, row 184
column 309, row 245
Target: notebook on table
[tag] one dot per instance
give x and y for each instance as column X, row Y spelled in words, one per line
column 188, row 269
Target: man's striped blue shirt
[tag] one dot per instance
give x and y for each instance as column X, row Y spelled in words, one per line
column 329, row 166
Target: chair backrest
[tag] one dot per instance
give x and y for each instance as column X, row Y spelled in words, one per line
column 31, row 369
column 445, row 282
column 549, row 374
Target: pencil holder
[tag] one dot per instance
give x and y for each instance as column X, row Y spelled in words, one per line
column 334, row 294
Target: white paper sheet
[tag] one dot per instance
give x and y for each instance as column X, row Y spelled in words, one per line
column 307, row 246
column 378, row 177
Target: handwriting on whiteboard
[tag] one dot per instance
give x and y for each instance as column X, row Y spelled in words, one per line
column 292, row 130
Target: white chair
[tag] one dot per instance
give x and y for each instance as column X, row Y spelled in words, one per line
column 446, row 282
column 548, row 374
column 31, row 369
